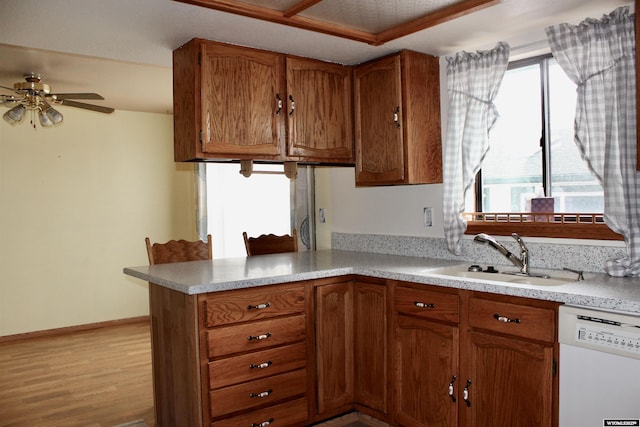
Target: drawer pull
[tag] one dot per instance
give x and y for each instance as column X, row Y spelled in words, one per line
column 263, row 424
column 451, row 390
column 259, row 337
column 504, row 319
column 423, row 305
column 465, row 393
column 262, row 394
column 261, row 365
column 259, row 306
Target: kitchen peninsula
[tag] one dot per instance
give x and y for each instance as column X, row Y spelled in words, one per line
column 303, row 337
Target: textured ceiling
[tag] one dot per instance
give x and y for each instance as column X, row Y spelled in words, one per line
column 122, row 49
column 370, row 21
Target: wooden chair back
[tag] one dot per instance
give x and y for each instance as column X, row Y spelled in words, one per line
column 179, row 251
column 270, row 243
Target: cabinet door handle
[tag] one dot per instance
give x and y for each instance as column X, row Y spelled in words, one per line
column 262, row 394
column 259, row 337
column 258, row 306
column 279, row 104
column 396, row 116
column 465, row 393
column 451, row 390
column 505, row 319
column 261, row 365
column 293, row 105
column 263, row 424
column 423, row 304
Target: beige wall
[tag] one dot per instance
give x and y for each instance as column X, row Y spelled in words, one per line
column 76, row 202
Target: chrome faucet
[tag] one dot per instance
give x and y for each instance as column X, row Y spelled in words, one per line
column 522, row 263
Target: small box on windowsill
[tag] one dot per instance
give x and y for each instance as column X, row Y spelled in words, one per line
column 542, row 204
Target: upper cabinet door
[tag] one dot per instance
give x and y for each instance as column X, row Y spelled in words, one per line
column 397, row 120
column 242, row 93
column 319, row 111
column 378, row 128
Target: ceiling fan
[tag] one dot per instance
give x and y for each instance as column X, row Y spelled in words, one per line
column 35, row 96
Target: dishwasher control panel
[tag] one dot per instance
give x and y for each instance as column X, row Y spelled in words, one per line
column 600, row 330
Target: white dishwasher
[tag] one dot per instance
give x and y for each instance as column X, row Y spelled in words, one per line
column 599, row 368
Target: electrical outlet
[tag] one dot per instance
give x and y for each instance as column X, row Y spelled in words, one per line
column 427, row 217
column 321, row 214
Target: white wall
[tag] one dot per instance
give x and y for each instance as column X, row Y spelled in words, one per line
column 389, row 210
column 76, row 202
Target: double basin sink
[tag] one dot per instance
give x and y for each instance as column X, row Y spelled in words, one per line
column 536, row 278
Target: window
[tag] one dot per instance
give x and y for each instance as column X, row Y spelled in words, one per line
column 533, row 164
column 260, row 204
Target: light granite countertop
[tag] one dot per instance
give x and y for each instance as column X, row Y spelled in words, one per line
column 597, row 291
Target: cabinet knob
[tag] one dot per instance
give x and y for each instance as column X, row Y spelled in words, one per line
column 279, row 104
column 259, row 337
column 261, row 365
column 262, row 394
column 293, row 105
column 505, row 319
column 396, row 116
column 263, row 424
column 451, row 390
column 465, row 393
column 423, row 304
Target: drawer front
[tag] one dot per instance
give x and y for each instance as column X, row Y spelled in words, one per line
column 284, row 414
column 257, row 393
column 253, row 304
column 255, row 336
column 252, row 366
column 535, row 323
column 425, row 303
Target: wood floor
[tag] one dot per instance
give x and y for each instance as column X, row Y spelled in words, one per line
column 97, row 378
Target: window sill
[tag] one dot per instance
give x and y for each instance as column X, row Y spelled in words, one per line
column 565, row 225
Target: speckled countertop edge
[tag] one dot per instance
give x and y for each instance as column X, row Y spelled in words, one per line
column 598, row 291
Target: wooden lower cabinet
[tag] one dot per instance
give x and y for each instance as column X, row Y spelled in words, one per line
column 299, row 353
column 334, row 348
column 371, row 349
column 351, row 335
column 487, row 361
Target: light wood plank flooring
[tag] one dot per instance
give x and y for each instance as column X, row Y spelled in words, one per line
column 96, row 378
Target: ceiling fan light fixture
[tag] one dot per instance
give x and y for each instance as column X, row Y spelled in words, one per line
column 45, row 121
column 53, row 115
column 15, row 115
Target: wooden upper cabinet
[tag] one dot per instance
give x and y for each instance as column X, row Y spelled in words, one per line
column 233, row 102
column 319, row 111
column 397, row 120
column 226, row 102
column 240, row 90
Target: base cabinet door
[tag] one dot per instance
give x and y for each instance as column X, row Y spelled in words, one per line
column 334, row 347
column 511, row 382
column 370, row 348
column 426, row 358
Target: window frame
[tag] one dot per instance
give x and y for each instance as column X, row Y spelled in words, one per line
column 572, row 226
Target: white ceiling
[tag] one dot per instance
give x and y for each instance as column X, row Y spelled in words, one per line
column 122, row 49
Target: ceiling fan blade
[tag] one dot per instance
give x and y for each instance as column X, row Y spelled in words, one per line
column 8, row 88
column 76, row 96
column 98, row 108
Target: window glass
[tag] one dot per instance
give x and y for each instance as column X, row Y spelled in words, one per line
column 514, row 170
column 260, row 204
column 573, row 187
column 511, row 171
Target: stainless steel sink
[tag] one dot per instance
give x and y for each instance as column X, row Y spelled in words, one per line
column 550, row 277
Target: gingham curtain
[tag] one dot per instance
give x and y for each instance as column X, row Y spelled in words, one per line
column 473, row 80
column 599, row 56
